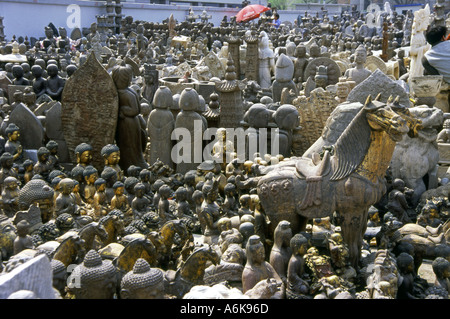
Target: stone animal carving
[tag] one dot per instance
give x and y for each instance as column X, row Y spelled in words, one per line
column 70, row 251
column 191, row 273
column 416, row 159
column 347, row 182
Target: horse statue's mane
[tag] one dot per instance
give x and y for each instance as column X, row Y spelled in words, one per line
column 352, row 146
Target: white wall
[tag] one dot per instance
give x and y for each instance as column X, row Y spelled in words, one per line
column 29, row 17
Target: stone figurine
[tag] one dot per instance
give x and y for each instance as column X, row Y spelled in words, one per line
column 129, row 136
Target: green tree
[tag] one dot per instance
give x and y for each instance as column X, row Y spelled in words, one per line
column 282, row 4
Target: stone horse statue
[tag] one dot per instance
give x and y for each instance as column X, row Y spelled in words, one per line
column 347, row 180
column 71, row 250
column 191, row 273
column 114, row 227
column 89, row 234
column 173, row 244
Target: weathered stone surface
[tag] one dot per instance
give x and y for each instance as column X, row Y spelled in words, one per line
column 336, row 123
column 13, row 88
column 76, row 34
column 376, row 83
column 415, row 158
column 35, row 275
column 444, row 153
column 4, row 83
column 31, row 129
column 215, row 67
column 90, row 108
column 54, row 131
column 373, row 63
column 314, row 112
column 43, row 108
column 333, row 70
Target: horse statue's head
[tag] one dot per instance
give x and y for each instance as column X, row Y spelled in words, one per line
column 414, row 124
column 380, row 116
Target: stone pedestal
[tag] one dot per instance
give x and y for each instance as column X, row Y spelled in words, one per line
column 426, row 88
column 442, row 98
column 444, row 159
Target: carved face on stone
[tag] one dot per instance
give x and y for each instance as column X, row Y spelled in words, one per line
column 360, row 56
column 342, row 91
column 300, row 51
column 314, row 51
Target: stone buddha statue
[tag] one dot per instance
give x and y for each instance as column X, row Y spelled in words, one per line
column 18, row 75
column 257, row 269
column 143, row 282
column 359, row 73
column 281, row 250
column 42, row 167
column 111, row 154
column 83, row 153
column 130, row 130
column 10, row 194
column 94, row 278
column 13, row 145
column 297, row 284
column 55, row 83
column 210, row 212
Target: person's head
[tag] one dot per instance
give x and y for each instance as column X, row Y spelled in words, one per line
column 436, row 35
column 277, row 16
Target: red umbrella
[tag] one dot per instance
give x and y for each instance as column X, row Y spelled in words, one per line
column 250, row 12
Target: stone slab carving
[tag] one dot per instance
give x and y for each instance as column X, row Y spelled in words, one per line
column 53, row 130
column 31, row 129
column 374, row 62
column 314, row 112
column 376, row 83
column 333, row 70
column 90, row 103
column 13, row 88
column 4, row 83
column 35, row 275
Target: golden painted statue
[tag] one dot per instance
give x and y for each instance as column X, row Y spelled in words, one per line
column 347, row 180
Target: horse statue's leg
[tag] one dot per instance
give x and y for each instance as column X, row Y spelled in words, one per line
column 353, row 225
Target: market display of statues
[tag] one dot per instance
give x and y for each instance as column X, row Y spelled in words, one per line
column 117, row 162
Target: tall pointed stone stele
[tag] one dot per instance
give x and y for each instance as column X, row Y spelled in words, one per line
column 90, row 108
column 231, row 108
